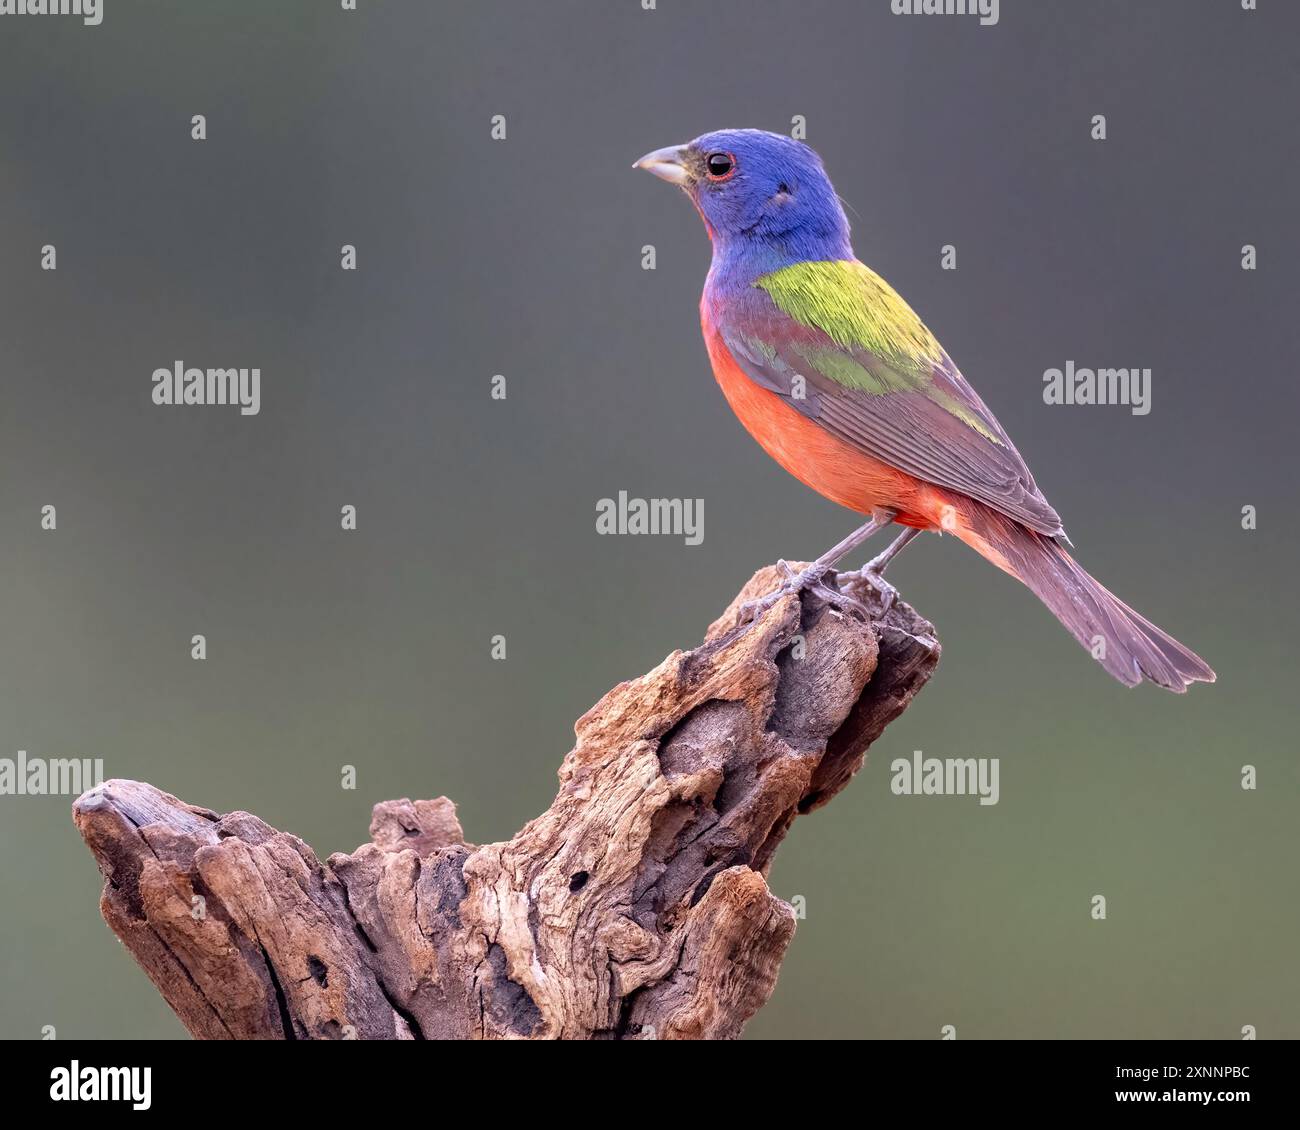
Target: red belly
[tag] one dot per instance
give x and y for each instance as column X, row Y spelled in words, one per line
column 832, row 467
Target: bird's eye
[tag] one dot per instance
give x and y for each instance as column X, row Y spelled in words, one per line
column 720, row 166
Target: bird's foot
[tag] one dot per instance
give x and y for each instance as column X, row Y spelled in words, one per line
column 871, row 576
column 812, row 579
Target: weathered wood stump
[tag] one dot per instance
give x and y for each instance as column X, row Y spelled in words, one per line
column 634, row 907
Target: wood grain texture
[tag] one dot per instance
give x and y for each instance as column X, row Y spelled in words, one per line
column 635, row 907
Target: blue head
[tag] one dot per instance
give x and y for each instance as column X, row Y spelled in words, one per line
column 761, row 194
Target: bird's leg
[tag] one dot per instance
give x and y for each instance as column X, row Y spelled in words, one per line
column 878, row 563
column 811, row 578
column 826, row 562
column 873, row 572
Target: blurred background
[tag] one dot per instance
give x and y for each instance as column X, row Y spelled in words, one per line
column 476, row 516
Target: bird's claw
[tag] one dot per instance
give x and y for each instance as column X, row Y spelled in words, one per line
column 791, row 577
column 812, row 579
column 753, row 609
column 887, row 592
column 870, row 576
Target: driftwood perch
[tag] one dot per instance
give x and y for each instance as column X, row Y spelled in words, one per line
column 635, row 907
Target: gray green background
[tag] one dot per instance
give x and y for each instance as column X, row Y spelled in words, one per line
column 476, row 517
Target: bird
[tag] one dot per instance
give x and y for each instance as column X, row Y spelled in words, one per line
column 840, row 382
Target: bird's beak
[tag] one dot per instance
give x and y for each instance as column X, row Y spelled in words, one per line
column 667, row 164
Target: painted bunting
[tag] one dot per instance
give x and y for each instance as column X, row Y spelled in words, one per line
column 843, row 385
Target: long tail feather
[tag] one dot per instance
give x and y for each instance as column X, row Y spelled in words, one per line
column 1125, row 643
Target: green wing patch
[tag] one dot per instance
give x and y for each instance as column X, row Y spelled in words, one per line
column 880, row 345
column 856, row 309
